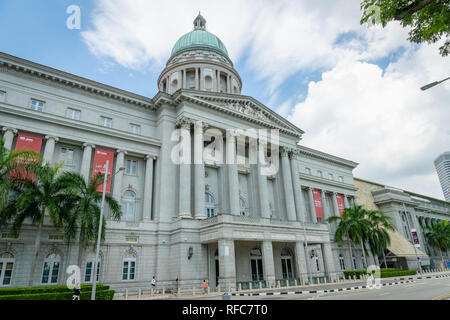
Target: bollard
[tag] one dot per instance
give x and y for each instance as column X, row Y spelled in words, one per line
column 208, row 290
column 295, row 282
column 193, row 290
column 139, row 294
column 278, row 284
column 260, row 285
column 239, row 287
column 250, row 286
column 164, row 291
column 126, row 294
column 218, row 288
column 151, row 292
column 178, row 291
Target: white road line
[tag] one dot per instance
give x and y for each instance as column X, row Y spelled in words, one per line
column 384, row 294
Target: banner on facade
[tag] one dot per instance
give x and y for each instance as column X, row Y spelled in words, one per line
column 340, row 203
column 28, row 143
column 415, row 238
column 318, row 203
column 100, row 158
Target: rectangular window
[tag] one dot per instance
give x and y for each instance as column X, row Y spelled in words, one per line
column 128, row 211
column 330, row 176
column 129, row 269
column 66, row 156
column 341, row 179
column 106, row 122
column 308, row 170
column 37, row 105
column 56, row 237
column 73, row 114
column 89, row 271
column 131, row 167
column 9, row 236
column 6, row 269
column 2, row 96
column 134, row 128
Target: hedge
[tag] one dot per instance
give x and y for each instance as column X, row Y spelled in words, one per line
column 48, row 289
column 101, row 294
column 385, row 273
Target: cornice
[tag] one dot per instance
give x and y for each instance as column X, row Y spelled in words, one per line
column 304, row 151
column 75, row 124
column 312, row 178
column 42, row 72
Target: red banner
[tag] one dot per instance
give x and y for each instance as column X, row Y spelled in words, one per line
column 28, row 143
column 340, row 202
column 318, row 203
column 101, row 156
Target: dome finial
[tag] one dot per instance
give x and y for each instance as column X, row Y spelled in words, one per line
column 200, row 22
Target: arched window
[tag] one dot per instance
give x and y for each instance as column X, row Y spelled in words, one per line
column 129, row 206
column 341, row 261
column 243, row 206
column 210, row 205
column 256, row 252
column 50, row 271
column 315, row 258
column 354, row 262
column 6, row 268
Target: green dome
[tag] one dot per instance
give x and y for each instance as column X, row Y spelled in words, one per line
column 199, row 39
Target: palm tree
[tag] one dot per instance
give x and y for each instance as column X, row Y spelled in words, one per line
column 45, row 193
column 9, row 162
column 353, row 226
column 85, row 216
column 438, row 235
column 378, row 236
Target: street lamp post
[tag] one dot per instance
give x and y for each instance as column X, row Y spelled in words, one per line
column 105, row 180
column 433, row 84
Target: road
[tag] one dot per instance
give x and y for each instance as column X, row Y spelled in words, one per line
column 420, row 289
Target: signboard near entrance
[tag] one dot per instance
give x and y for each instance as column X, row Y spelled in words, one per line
column 415, row 238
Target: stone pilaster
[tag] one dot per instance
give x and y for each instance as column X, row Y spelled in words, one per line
column 268, row 262
column 301, row 261
column 120, row 163
column 184, row 192
column 328, row 260
column 233, row 178
column 199, row 171
column 262, row 184
column 86, row 161
column 296, row 186
column 311, row 205
column 227, row 264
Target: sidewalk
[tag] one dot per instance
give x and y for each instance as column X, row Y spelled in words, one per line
column 315, row 288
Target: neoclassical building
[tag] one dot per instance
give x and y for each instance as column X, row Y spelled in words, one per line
column 221, row 221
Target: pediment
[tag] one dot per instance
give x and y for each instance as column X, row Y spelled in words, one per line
column 242, row 107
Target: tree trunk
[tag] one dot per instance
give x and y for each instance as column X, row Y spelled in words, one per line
column 37, row 245
column 364, row 254
column 375, row 260
column 384, row 258
column 351, row 253
column 80, row 247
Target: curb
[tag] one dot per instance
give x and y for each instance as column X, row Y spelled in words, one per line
column 312, row 291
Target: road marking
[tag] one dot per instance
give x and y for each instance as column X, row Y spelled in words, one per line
column 442, row 297
column 384, row 294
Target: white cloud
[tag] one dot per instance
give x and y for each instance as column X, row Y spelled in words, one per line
column 277, row 38
column 383, row 121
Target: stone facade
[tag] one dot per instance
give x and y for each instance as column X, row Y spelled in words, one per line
column 252, row 228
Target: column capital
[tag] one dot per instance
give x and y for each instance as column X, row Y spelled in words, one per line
column 52, row 137
column 86, row 144
column 184, row 123
column 6, row 129
column 285, row 151
column 121, row 151
column 232, row 133
column 149, row 156
column 200, row 124
column 294, row 154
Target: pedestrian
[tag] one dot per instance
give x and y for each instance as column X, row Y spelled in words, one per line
column 204, row 286
column 177, row 286
column 154, row 284
column 77, row 292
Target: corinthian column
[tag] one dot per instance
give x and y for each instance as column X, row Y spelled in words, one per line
column 8, row 137
column 49, row 149
column 184, row 194
column 199, row 171
column 287, row 183
column 312, row 206
column 233, row 178
column 120, row 163
column 86, row 161
column 262, row 182
column 148, row 188
column 297, row 188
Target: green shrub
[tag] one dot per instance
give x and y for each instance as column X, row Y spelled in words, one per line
column 385, row 273
column 101, row 294
column 47, row 289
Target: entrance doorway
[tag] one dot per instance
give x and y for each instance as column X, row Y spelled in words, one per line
column 256, row 264
column 216, row 263
column 286, row 264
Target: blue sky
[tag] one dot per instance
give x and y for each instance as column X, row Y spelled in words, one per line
column 354, row 90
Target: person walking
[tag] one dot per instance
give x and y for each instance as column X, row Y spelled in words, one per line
column 154, row 284
column 204, row 286
column 77, row 292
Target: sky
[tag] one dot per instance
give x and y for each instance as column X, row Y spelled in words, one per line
column 353, row 89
